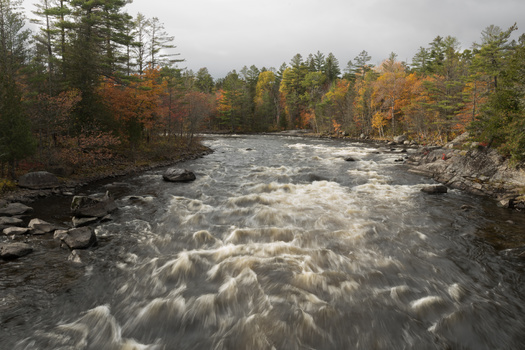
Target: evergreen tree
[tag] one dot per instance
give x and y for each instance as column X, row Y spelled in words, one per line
column 16, row 141
column 331, row 68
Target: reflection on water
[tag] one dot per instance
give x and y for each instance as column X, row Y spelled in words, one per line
column 282, row 244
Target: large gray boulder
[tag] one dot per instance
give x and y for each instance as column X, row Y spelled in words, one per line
column 400, row 138
column 14, row 209
column 93, row 206
column 14, row 250
column 80, row 238
column 38, row 180
column 178, row 175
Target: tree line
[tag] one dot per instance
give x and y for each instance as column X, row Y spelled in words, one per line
column 94, row 83
column 91, row 84
column 444, row 92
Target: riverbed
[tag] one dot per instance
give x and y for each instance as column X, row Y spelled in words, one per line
column 280, row 243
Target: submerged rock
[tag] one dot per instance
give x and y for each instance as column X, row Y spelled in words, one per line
column 14, row 250
column 178, row 175
column 434, row 189
column 38, row 180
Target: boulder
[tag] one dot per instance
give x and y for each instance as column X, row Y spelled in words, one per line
column 400, row 138
column 38, row 180
column 80, row 238
column 350, row 159
column 14, row 209
column 16, row 231
column 178, row 175
column 14, row 250
column 41, row 227
column 93, row 206
column 434, row 189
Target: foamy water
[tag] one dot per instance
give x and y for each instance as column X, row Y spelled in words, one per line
column 281, row 244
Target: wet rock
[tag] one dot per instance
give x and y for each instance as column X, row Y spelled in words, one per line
column 78, row 256
column 178, row 175
column 80, row 238
column 38, row 180
column 350, row 159
column 14, row 250
column 41, row 227
column 16, row 231
column 10, row 221
column 78, row 222
column 435, row 189
column 93, row 206
column 14, row 209
column 60, row 234
column 507, row 203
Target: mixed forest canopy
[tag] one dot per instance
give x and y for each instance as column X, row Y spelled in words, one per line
column 93, row 83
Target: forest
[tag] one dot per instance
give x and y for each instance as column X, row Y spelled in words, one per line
column 94, row 85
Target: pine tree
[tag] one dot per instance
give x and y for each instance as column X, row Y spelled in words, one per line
column 16, row 140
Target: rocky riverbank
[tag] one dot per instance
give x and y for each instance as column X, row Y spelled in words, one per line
column 473, row 168
column 14, row 214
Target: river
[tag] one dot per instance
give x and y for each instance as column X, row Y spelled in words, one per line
column 279, row 244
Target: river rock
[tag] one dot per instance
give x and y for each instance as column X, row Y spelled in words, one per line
column 14, row 250
column 93, row 206
column 78, row 222
column 38, row 180
column 14, row 209
column 60, row 234
column 349, row 159
column 80, row 238
column 10, row 221
column 41, row 227
column 433, row 189
column 178, row 175
column 16, row 231
column 400, row 138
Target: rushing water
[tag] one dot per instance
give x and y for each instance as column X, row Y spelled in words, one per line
column 279, row 244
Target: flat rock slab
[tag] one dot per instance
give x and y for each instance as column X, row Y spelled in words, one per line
column 80, row 238
column 16, row 231
column 10, row 221
column 178, row 175
column 38, row 180
column 78, row 222
column 13, row 209
column 14, row 250
column 41, row 227
column 435, row 189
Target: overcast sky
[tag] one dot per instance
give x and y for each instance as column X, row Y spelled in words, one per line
column 223, row 35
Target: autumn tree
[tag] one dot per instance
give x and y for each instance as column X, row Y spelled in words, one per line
column 387, row 92
column 267, row 100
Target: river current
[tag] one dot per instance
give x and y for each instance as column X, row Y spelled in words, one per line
column 279, row 244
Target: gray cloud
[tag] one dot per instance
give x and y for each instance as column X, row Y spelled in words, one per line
column 223, row 35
